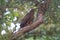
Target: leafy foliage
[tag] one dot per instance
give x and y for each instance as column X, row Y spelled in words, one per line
column 49, row 30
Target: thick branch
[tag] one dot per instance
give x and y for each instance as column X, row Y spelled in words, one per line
column 28, row 28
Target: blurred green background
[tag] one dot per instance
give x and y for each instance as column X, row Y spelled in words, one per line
column 12, row 11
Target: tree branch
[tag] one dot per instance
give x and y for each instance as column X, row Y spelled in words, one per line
column 28, row 28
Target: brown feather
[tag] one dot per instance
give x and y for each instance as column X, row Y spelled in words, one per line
column 28, row 19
